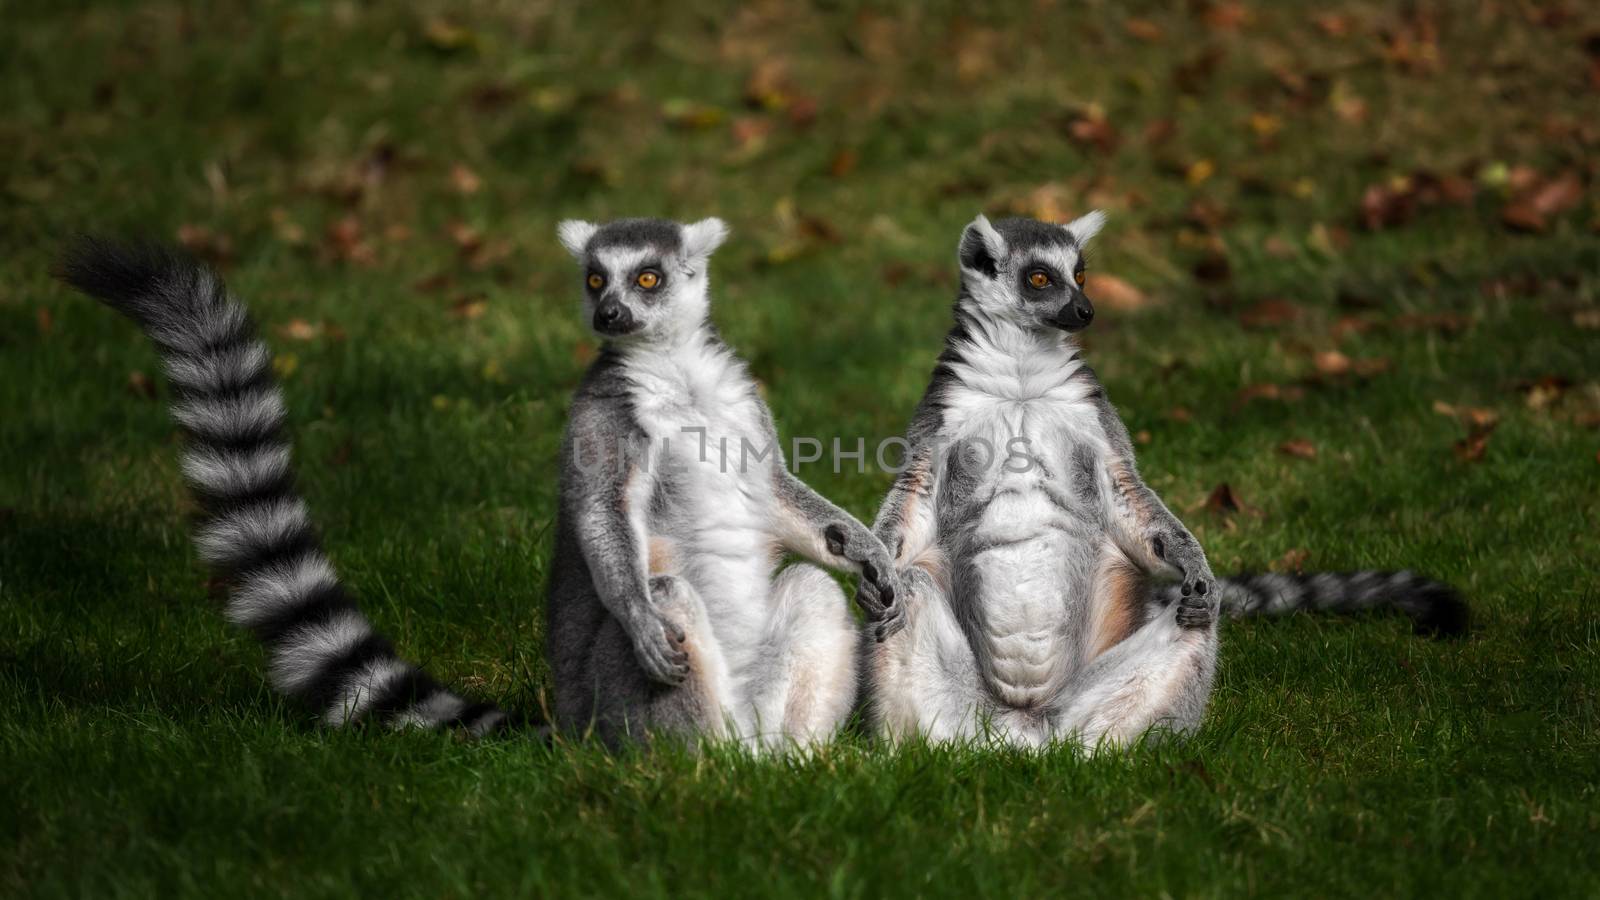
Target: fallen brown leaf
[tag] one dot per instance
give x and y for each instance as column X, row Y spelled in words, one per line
column 1092, row 129
column 205, row 243
column 465, row 180
column 1113, row 293
column 140, row 385
column 469, row 307
column 1180, row 414
column 1268, row 391
column 843, row 163
column 1144, row 30
column 1472, row 447
column 1332, row 24
column 45, row 321
column 1300, row 448
column 1558, row 195
column 1269, row 314
column 1291, row 561
column 1544, row 392
column 346, row 242
column 299, row 330
column 1332, row 363
column 1223, row 501
column 1473, row 416
column 1225, row 16
column 768, row 85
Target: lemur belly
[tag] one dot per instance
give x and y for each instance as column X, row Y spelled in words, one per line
column 1032, row 592
column 1028, row 556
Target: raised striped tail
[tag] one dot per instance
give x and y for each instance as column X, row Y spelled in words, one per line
column 1434, row 607
column 255, row 530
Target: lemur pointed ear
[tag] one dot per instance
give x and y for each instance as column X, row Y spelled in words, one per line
column 981, row 247
column 575, row 234
column 1086, row 226
column 701, row 238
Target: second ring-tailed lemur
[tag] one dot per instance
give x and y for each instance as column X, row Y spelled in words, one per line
column 668, row 609
column 1046, row 592
column 254, row 530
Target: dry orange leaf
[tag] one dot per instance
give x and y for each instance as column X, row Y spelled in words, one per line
column 1112, row 292
column 141, row 385
column 1299, row 448
column 299, row 330
column 1291, row 561
column 1145, row 30
column 465, row 180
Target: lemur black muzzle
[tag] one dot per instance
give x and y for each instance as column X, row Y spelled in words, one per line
column 1075, row 316
column 612, row 319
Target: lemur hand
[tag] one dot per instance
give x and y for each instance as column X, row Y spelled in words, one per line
column 883, row 619
column 658, row 641
column 1199, row 603
column 855, row 543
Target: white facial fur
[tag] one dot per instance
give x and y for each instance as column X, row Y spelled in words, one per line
column 1001, row 295
column 677, row 306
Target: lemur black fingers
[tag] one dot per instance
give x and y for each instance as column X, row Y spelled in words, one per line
column 834, row 535
column 1196, row 613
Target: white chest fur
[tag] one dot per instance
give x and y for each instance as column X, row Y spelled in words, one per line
column 1028, row 553
column 698, row 406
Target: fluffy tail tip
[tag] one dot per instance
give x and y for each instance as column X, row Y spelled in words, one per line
column 120, row 273
column 1442, row 612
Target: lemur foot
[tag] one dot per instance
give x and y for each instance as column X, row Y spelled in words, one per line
column 658, row 640
column 1198, row 606
column 877, row 591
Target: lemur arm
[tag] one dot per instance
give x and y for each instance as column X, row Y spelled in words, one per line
column 809, row 525
column 1148, row 532
column 908, row 523
column 611, row 494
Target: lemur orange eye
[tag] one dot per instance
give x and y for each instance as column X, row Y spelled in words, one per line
column 1078, row 277
column 596, row 280
column 1039, row 279
column 648, row 279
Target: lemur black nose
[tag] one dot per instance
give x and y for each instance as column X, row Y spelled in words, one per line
column 1075, row 316
column 611, row 317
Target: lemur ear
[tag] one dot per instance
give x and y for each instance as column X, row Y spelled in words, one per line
column 981, row 248
column 575, row 234
column 1086, row 226
column 701, row 238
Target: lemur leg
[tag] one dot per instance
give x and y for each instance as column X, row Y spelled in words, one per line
column 1158, row 678
column 805, row 684
column 628, row 703
column 923, row 679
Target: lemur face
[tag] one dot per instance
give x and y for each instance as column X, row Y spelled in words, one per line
column 1029, row 272
column 643, row 278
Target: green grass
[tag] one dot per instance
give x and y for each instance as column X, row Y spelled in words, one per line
column 140, row 752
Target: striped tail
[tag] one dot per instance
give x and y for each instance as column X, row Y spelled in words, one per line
column 255, row 530
column 1434, row 607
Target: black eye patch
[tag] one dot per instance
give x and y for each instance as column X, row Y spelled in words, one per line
column 1055, row 284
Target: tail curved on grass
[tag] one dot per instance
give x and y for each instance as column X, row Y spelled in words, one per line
column 1435, row 608
column 255, row 530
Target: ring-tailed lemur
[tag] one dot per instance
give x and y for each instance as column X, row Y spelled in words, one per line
column 667, row 607
column 1033, row 602
column 255, row 530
